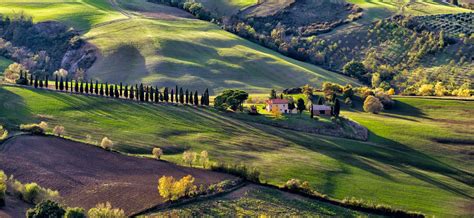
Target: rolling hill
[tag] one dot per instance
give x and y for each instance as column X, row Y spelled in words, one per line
column 163, row 46
column 414, row 151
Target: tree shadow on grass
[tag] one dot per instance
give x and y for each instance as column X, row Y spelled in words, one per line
column 13, row 110
column 363, row 155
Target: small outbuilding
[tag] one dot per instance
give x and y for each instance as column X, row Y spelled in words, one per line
column 280, row 105
column 322, row 110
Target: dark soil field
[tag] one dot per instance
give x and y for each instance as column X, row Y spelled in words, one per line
column 86, row 175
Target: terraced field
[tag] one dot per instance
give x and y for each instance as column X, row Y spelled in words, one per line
column 411, row 153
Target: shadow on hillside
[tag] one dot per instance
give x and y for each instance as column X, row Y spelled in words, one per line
column 397, row 111
column 13, row 110
column 368, row 157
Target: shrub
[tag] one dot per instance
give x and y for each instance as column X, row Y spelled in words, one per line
column 106, row 143
column 189, row 157
column 36, row 129
column 204, row 158
column 426, row 90
column 3, row 188
column 157, row 152
column 385, row 99
column 239, row 170
column 105, row 211
column 58, row 130
column 31, row 192
column 46, row 209
column 372, row 105
column 3, row 133
column 75, row 212
column 170, row 189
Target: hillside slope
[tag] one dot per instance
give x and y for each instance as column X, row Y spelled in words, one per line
column 400, row 165
column 161, row 46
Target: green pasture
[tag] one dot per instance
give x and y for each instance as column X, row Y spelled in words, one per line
column 4, row 63
column 395, row 167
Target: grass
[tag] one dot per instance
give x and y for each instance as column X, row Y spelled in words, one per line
column 227, row 7
column 396, row 167
column 4, row 63
column 80, row 14
column 258, row 202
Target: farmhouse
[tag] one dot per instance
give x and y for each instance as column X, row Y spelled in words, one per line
column 322, row 110
column 279, row 105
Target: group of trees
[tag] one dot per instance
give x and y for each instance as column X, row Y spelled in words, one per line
column 140, row 92
column 53, row 209
column 231, row 98
column 192, row 7
column 172, row 189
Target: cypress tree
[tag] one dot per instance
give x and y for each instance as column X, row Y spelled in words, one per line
column 41, row 83
column 196, row 98
column 172, row 96
column 46, row 83
column 166, row 96
column 337, row 108
column 76, row 87
column 157, row 96
column 91, row 87
column 176, row 94
column 36, row 81
column 181, row 96
column 121, row 89
column 151, row 93
column 137, row 92
column 191, row 100
column 56, row 83
column 187, row 96
column 66, row 85
column 31, row 79
column 142, row 93
column 125, row 94
column 207, row 97
column 161, row 97
column 87, row 87
column 106, row 89
column 111, row 91
column 202, row 99
column 97, row 87
column 117, row 93
column 132, row 92
column 82, row 87
column 147, row 94
column 61, row 84
column 101, row 89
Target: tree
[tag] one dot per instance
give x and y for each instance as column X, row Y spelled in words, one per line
column 151, row 93
column 165, row 187
column 191, row 100
column 91, row 87
column 181, row 95
column 137, row 92
column 105, row 211
column 300, row 105
column 196, row 98
column 166, row 95
column 147, row 94
column 206, row 99
column 189, row 157
column 354, row 69
column 41, row 83
column 232, row 98
column 82, row 87
column 66, row 85
column 291, row 104
column 61, row 84
column 157, row 152
column 347, row 91
column 426, row 90
column 97, row 87
column 131, row 92
column 121, row 89
column 106, row 143
column 391, row 91
column 117, row 93
column 336, row 108
column 273, row 94
column 36, row 81
column 439, row 89
column 46, row 208
column 101, row 89
column 76, row 87
column 86, row 89
column 176, row 94
column 75, row 212
column 58, row 130
column 12, row 73
column 31, row 79
column 46, row 83
column 111, row 91
column 187, row 96
column 204, row 158
column 373, row 105
column 157, row 95
column 125, row 94
column 56, row 83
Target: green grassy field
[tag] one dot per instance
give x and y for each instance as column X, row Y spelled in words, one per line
column 227, row 7
column 4, row 63
column 400, row 165
column 381, row 9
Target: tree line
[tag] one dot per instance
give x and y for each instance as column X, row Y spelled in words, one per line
column 142, row 93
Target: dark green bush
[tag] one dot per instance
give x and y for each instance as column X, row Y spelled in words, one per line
column 46, row 209
column 75, row 212
column 239, row 170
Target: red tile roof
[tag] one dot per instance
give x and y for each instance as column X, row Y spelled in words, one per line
column 277, row 101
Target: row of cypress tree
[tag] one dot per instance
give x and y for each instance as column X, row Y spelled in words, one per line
column 137, row 92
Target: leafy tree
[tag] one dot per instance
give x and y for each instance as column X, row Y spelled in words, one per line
column 189, row 157
column 58, row 130
column 105, row 211
column 336, row 108
column 106, row 143
column 45, row 209
column 426, row 90
column 231, row 98
column 354, row 69
column 204, row 158
column 165, row 187
column 157, row 153
column 75, row 212
column 373, row 105
column 300, row 105
column 347, row 91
